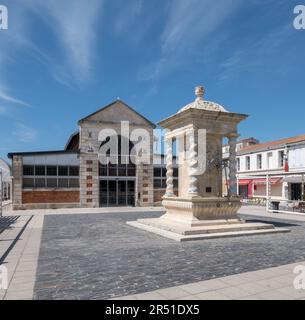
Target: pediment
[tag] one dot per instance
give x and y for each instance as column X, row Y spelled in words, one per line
column 116, row 112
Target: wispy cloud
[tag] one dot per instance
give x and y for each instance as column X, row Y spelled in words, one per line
column 24, row 133
column 127, row 17
column 189, row 24
column 74, row 24
column 4, row 96
column 257, row 54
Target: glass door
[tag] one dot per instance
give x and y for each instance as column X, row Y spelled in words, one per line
column 122, row 193
column 117, row 193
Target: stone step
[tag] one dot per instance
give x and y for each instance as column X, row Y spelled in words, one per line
column 181, row 238
column 229, row 228
column 185, row 230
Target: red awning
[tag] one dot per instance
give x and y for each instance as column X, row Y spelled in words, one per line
column 244, row 182
column 263, row 181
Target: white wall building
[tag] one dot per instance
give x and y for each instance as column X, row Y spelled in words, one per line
column 6, row 180
column 283, row 161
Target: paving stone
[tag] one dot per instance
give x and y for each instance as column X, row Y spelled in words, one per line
column 98, row 256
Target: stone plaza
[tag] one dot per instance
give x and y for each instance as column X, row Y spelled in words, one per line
column 94, row 254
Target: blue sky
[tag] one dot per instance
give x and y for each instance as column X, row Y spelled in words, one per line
column 61, row 60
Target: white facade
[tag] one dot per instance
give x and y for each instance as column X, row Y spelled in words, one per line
column 6, row 180
column 283, row 162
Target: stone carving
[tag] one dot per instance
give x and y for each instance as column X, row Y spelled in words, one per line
column 193, row 164
column 169, row 169
column 202, row 104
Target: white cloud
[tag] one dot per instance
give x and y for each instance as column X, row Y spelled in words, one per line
column 126, row 18
column 8, row 98
column 24, row 133
column 257, row 54
column 189, row 24
column 74, row 23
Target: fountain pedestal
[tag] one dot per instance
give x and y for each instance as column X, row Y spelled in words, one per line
column 199, row 211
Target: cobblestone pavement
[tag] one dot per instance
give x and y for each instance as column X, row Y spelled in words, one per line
column 100, row 257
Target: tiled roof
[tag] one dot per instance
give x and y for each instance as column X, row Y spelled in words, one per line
column 273, row 144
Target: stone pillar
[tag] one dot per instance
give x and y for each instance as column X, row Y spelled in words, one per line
column 17, row 171
column 89, row 180
column 169, row 168
column 232, row 164
column 193, row 163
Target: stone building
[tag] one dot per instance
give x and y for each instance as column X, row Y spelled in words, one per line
column 76, row 176
column 5, row 180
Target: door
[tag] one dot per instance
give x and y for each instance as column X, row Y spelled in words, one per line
column 243, row 192
column 117, row 193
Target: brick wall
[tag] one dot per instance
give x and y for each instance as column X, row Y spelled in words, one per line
column 50, row 197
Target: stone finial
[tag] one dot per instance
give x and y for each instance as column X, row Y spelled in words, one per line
column 199, row 92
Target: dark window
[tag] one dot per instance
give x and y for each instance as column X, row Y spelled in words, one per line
column 40, row 170
column 163, row 183
column 157, row 183
column 131, row 170
column 122, row 170
column 74, row 183
column 63, row 171
column 28, row 183
column 113, row 170
column 176, row 183
column 40, row 183
column 74, row 171
column 164, row 172
column 157, row 172
column 28, row 170
column 175, row 172
column 51, row 171
column 51, row 183
column 63, row 183
column 103, row 170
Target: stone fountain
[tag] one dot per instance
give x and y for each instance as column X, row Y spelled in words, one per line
column 199, row 211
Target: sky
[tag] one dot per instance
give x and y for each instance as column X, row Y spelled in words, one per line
column 61, row 60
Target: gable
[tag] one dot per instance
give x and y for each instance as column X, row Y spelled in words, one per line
column 115, row 113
